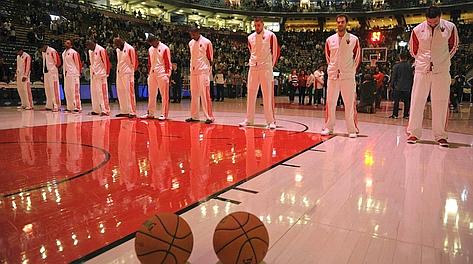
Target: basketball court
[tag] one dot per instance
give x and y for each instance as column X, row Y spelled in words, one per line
column 75, row 188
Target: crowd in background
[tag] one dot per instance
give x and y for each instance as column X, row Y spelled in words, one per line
column 319, row 5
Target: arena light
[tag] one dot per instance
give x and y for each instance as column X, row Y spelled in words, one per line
column 402, row 43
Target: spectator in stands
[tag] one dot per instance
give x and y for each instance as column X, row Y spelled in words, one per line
column 293, row 85
column 276, row 86
column 229, row 85
column 319, row 76
column 12, row 36
column 176, row 83
column 4, row 71
column 30, row 36
column 220, row 82
column 379, row 79
column 310, row 87
column 456, row 90
column 401, row 82
column 112, row 55
column 302, row 86
column 212, row 86
column 367, row 95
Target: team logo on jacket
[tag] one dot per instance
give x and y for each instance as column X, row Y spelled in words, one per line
column 348, row 41
column 442, row 29
column 159, row 50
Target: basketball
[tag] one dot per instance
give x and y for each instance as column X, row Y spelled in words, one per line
column 241, row 237
column 164, row 238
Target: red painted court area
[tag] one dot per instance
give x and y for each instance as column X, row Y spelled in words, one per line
column 68, row 190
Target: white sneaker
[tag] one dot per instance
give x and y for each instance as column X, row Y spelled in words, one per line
column 245, row 123
column 162, row 118
column 271, row 125
column 146, row 116
column 352, row 135
column 326, row 132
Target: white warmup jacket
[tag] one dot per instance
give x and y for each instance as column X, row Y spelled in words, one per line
column 433, row 48
column 343, row 56
column 201, row 56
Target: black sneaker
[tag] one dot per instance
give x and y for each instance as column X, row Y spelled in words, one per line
column 393, row 117
column 131, row 115
column 190, row 119
column 93, row 113
column 121, row 115
column 209, row 121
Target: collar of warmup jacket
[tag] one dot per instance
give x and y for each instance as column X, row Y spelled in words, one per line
column 344, row 34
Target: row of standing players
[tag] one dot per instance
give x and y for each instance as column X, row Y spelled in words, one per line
column 342, row 52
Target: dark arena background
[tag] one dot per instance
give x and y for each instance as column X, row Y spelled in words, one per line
column 78, row 178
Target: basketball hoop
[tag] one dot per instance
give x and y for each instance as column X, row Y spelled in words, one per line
column 373, row 62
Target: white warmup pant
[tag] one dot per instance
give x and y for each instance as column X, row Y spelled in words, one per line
column 51, row 88
column 99, row 95
column 348, row 89
column 439, row 87
column 200, row 91
column 72, row 92
column 156, row 82
column 127, row 160
column 26, row 137
column 24, row 91
column 126, row 93
column 100, row 139
column 263, row 77
column 73, row 146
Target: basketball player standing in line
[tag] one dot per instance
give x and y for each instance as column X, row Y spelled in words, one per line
column 159, row 69
column 264, row 54
column 23, row 71
column 200, row 69
column 127, row 64
column 342, row 51
column 433, row 43
column 51, row 64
